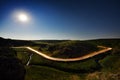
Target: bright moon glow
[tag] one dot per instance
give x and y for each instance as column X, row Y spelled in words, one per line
column 22, row 17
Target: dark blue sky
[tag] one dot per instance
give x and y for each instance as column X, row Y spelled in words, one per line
column 61, row 19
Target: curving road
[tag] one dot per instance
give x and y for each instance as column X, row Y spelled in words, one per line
column 69, row 59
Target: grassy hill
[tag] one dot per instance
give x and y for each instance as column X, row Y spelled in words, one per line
column 104, row 66
column 68, row 49
column 101, row 67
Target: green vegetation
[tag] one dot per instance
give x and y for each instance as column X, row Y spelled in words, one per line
column 68, row 49
column 110, row 69
column 100, row 67
column 79, row 66
column 22, row 54
column 111, row 62
column 45, row 73
column 105, row 65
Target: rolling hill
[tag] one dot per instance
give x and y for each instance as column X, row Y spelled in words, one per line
column 68, row 49
column 104, row 66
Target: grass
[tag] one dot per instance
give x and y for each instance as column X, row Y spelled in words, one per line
column 111, row 63
column 103, row 66
column 83, row 66
column 22, row 54
column 45, row 73
column 67, row 49
column 40, row 68
column 110, row 69
column 100, row 67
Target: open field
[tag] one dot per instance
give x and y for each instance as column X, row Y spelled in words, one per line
column 106, row 65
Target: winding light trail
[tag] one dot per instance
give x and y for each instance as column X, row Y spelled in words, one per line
column 69, row 59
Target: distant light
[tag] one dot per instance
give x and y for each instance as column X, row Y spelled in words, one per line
column 22, row 17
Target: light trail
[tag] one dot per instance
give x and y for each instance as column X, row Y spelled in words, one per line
column 105, row 49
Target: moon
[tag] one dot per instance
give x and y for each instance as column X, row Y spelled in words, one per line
column 23, row 17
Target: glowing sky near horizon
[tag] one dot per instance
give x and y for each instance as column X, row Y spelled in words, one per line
column 59, row 19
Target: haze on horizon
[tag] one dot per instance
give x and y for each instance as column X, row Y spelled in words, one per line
column 60, row 19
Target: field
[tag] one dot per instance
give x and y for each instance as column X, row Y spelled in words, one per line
column 105, row 66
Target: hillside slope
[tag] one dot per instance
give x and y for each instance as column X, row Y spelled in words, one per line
column 69, row 49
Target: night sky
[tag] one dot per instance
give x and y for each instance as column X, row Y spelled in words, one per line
column 61, row 19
